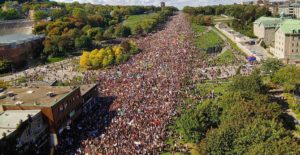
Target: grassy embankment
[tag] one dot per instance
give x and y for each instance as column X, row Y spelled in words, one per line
column 134, row 20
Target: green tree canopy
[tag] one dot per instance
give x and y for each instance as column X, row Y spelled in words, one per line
column 271, row 66
column 288, row 77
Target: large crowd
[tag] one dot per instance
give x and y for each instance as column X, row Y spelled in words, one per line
column 138, row 98
column 64, row 71
column 145, row 92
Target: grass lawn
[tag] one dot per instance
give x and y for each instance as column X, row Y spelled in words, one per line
column 207, row 40
column 55, row 59
column 198, row 28
column 233, row 45
column 221, row 19
column 226, row 58
column 135, row 20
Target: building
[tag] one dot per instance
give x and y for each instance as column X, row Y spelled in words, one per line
column 23, row 132
column 264, row 28
column 60, row 105
column 17, row 43
column 287, row 41
column 162, row 4
column 262, row 2
column 273, row 8
column 282, row 35
column 292, row 9
column 89, row 94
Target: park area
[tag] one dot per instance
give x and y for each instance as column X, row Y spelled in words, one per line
column 134, row 20
column 206, row 38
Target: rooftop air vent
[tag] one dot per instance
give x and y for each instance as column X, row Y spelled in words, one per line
column 19, row 102
column 50, row 94
column 29, row 91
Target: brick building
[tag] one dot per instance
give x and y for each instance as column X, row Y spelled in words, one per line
column 89, row 94
column 60, row 105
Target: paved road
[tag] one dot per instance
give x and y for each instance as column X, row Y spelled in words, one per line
column 145, row 92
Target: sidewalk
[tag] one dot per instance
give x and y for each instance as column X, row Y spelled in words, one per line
column 241, row 41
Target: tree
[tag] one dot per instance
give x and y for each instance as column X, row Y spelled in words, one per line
column 247, row 85
column 57, row 13
column 83, row 42
column 286, row 145
column 257, row 132
column 196, row 122
column 39, row 15
column 3, row 84
column 122, row 31
column 79, row 13
column 84, row 59
column 4, row 65
column 207, row 20
column 138, row 30
column 288, row 77
column 10, row 14
column 271, row 66
column 220, row 140
column 96, row 21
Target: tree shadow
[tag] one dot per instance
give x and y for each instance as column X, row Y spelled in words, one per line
column 89, row 125
column 288, row 120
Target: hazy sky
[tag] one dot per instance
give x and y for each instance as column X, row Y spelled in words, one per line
column 177, row 3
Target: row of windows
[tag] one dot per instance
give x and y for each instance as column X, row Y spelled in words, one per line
column 64, row 106
column 295, row 50
column 295, row 44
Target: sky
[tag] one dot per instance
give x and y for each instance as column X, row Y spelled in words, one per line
column 177, row 3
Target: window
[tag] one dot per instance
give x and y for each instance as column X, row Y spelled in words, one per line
column 61, row 108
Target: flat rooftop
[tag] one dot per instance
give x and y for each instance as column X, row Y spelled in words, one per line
column 18, row 38
column 44, row 96
column 86, row 88
column 10, row 119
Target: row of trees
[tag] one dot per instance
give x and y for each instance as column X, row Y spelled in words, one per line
column 285, row 76
column 244, row 15
column 19, row 9
column 76, row 27
column 201, row 20
column 149, row 24
column 241, row 121
column 10, row 14
column 4, row 66
column 108, row 56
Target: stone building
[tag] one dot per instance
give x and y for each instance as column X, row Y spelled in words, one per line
column 264, row 28
column 292, row 9
column 287, row 41
column 282, row 35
